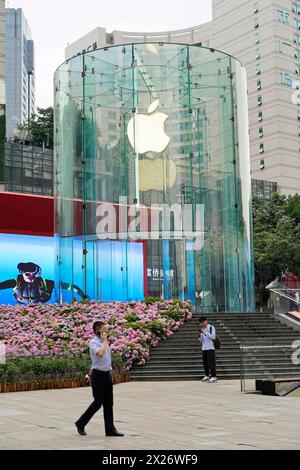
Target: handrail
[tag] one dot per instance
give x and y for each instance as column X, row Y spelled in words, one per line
column 284, row 291
column 243, row 357
column 266, row 347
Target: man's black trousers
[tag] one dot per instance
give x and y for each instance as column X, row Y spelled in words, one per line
column 103, row 396
column 209, row 362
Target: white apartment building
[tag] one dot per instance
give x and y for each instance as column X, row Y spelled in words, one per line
column 2, row 92
column 2, row 52
column 265, row 36
column 19, row 70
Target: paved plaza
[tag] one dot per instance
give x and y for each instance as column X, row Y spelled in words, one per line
column 153, row 415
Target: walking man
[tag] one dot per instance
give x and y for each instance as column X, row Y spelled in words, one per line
column 101, row 382
column 207, row 337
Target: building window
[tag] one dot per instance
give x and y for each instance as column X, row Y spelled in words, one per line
column 296, row 39
column 260, row 116
column 256, row 23
column 258, row 85
column 259, row 100
column 257, row 54
column 261, row 148
column 261, row 132
column 296, row 8
column 262, row 164
column 286, row 79
column 257, row 40
column 296, row 24
column 255, row 7
column 281, row 45
column 283, row 16
column 258, row 69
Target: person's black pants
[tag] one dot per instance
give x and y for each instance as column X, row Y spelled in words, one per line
column 209, row 362
column 103, row 395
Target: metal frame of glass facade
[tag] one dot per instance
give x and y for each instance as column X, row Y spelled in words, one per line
column 142, row 128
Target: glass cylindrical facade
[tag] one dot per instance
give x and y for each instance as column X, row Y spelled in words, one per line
column 153, row 190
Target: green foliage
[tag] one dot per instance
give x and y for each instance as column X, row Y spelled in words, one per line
column 152, row 300
column 293, row 207
column 133, row 324
column 156, row 327
column 173, row 313
column 39, row 128
column 34, row 369
column 83, row 301
column 118, row 362
column 276, row 226
column 131, row 317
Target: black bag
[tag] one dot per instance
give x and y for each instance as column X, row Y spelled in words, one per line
column 216, row 342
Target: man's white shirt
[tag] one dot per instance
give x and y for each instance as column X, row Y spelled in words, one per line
column 207, row 339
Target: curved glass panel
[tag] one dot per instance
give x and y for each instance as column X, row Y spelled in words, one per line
column 153, row 193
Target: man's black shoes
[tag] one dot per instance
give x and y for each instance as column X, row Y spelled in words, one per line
column 80, row 430
column 114, row 433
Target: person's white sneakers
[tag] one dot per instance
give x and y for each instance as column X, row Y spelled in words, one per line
column 213, row 380
column 205, row 379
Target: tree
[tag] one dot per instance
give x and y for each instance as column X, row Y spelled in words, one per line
column 38, row 130
column 276, row 226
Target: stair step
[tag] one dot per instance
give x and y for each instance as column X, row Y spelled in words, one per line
column 179, row 357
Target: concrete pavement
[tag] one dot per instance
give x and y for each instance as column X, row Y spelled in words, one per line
column 153, row 415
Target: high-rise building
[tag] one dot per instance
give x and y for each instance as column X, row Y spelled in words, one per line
column 2, row 52
column 265, row 36
column 2, row 91
column 20, row 70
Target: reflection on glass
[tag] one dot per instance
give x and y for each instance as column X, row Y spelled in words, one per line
column 153, row 177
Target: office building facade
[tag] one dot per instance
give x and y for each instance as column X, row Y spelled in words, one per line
column 28, row 169
column 2, row 91
column 265, row 36
column 20, row 71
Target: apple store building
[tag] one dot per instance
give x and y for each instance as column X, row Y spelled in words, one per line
column 152, row 186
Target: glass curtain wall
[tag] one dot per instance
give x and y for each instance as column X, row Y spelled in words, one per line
column 153, row 191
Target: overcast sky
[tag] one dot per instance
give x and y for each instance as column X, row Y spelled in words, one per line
column 55, row 23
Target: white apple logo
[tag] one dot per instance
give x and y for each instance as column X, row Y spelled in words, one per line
column 146, row 132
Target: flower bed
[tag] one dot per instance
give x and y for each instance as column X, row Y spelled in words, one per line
column 63, row 332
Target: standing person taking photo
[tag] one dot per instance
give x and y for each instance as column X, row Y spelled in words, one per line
column 207, row 337
column 101, row 381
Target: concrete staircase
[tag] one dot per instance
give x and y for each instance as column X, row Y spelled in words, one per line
column 180, row 357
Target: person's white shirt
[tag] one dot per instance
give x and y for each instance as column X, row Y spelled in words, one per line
column 208, row 337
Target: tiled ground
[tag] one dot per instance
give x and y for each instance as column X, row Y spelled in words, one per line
column 153, row 415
